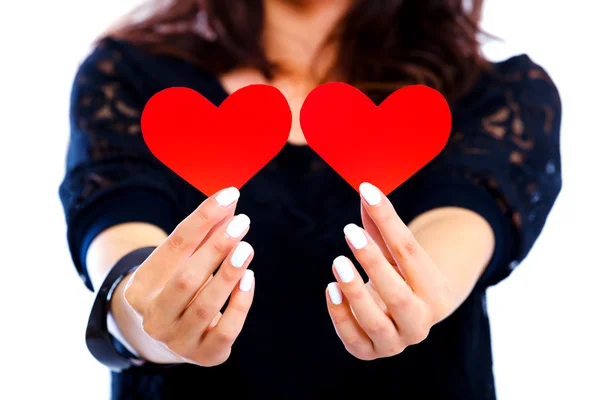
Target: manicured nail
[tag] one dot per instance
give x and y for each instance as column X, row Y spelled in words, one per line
column 370, row 193
column 241, row 254
column 355, row 235
column 227, row 196
column 247, row 280
column 344, row 269
column 238, row 225
column 335, row 294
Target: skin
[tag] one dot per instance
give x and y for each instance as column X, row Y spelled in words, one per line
column 168, row 310
column 418, row 275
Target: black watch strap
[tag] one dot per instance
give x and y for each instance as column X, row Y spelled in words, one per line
column 101, row 344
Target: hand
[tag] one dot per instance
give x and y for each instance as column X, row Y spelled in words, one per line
column 406, row 293
column 178, row 299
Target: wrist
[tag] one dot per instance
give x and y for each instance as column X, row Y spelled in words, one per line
column 105, row 347
column 125, row 325
column 117, row 313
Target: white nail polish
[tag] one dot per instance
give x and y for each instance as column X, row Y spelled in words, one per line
column 356, row 236
column 227, row 196
column 335, row 294
column 247, row 280
column 241, row 254
column 344, row 269
column 238, row 225
column 370, row 193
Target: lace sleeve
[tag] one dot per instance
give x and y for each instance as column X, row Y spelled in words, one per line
column 111, row 176
column 502, row 160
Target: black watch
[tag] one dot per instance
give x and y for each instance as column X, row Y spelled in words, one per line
column 101, row 344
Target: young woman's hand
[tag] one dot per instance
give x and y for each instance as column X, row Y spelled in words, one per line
column 406, row 293
column 176, row 296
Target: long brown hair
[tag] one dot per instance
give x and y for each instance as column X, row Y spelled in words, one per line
column 384, row 44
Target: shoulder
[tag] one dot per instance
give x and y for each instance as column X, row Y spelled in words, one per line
column 110, row 57
column 531, row 81
column 506, row 139
column 120, row 62
column 512, row 84
column 516, row 103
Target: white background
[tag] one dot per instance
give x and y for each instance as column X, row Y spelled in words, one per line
column 544, row 317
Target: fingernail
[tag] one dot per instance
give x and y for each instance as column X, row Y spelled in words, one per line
column 335, row 294
column 241, row 254
column 370, row 193
column 344, row 269
column 355, row 235
column 227, row 196
column 238, row 225
column 247, row 280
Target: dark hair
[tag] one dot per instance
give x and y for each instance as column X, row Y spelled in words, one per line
column 385, row 44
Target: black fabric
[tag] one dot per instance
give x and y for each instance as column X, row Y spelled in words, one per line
column 101, row 344
column 502, row 161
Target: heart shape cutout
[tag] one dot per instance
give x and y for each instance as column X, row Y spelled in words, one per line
column 216, row 147
column 384, row 145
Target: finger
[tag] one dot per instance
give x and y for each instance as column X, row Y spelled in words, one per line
column 416, row 266
column 218, row 340
column 400, row 301
column 184, row 239
column 372, row 229
column 355, row 340
column 373, row 292
column 196, row 318
column 181, row 289
column 223, row 223
column 376, row 324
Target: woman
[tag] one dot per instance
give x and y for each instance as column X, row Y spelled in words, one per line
column 405, row 316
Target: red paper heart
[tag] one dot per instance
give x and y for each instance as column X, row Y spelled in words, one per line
column 213, row 148
column 382, row 145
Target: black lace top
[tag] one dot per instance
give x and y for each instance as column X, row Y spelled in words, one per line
column 502, row 161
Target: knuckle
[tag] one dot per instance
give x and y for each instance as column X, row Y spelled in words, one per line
column 400, row 300
column 176, row 240
column 219, row 247
column 376, row 328
column 406, row 246
column 225, row 337
column 213, row 358
column 398, row 349
column 228, row 274
column 184, row 281
column 418, row 334
column 354, row 343
column 392, row 349
column 205, row 215
column 202, row 311
column 423, row 333
column 223, row 356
